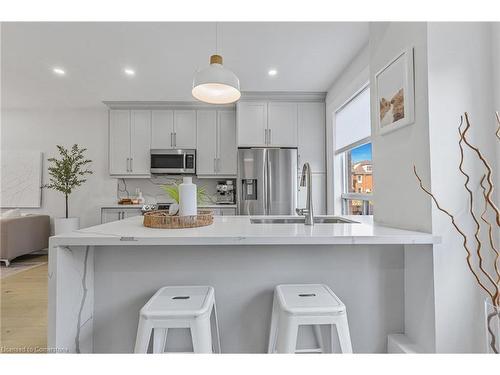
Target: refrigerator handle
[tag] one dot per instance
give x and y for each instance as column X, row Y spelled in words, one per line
column 266, row 184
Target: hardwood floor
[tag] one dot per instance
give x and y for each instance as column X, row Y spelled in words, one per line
column 23, row 309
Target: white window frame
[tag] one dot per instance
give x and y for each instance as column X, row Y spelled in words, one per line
column 336, row 179
column 345, row 195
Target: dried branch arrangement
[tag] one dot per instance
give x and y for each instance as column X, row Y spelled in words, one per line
column 487, row 276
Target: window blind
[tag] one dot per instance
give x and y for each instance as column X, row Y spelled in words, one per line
column 352, row 121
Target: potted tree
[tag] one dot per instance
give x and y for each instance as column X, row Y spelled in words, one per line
column 67, row 173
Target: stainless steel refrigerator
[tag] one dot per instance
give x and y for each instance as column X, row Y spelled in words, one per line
column 267, row 181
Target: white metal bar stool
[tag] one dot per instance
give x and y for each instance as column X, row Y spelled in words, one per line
column 308, row 304
column 179, row 307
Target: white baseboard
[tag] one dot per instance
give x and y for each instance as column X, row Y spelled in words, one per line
column 399, row 343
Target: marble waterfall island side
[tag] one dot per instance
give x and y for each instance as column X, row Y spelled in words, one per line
column 100, row 277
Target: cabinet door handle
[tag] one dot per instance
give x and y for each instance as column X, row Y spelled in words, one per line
column 175, row 139
column 131, row 165
column 270, row 137
column 128, row 168
column 171, row 139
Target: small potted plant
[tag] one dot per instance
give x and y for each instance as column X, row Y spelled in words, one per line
column 173, row 191
column 66, row 174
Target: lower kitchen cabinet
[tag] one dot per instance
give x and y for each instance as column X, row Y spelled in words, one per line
column 114, row 214
column 318, row 194
column 230, row 211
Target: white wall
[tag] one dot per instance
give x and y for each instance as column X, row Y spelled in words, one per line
column 461, row 69
column 495, row 48
column 42, row 130
column 456, row 70
column 398, row 202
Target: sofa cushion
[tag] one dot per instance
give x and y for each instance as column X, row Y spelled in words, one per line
column 16, row 212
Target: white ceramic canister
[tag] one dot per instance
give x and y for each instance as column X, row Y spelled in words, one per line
column 187, row 197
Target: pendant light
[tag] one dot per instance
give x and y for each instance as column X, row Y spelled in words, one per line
column 215, row 84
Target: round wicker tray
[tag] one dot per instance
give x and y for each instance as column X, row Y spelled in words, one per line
column 161, row 219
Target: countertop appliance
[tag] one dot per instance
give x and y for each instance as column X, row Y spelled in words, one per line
column 155, row 206
column 267, row 181
column 225, row 192
column 179, row 161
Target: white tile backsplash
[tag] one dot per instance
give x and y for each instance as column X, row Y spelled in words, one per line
column 151, row 188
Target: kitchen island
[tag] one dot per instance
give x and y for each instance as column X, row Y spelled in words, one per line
column 100, row 277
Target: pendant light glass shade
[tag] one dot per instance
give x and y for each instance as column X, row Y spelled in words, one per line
column 216, row 84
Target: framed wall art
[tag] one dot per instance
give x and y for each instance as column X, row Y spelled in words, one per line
column 394, row 89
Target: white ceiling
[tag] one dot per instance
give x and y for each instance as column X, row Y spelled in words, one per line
column 308, row 57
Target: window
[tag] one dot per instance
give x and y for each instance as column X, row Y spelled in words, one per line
column 354, row 150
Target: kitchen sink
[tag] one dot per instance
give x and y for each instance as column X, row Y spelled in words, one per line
column 301, row 220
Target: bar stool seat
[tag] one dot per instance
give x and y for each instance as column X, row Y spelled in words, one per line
column 179, row 307
column 306, row 304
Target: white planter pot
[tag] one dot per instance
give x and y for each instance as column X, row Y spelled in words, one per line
column 66, row 225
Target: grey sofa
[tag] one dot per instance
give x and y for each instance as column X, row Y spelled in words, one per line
column 23, row 235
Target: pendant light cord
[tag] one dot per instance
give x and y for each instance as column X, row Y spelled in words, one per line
column 216, row 39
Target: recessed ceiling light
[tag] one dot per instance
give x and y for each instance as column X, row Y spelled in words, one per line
column 129, row 72
column 272, row 72
column 59, row 71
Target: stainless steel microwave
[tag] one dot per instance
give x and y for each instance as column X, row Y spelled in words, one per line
column 173, row 161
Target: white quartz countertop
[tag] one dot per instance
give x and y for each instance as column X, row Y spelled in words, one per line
column 238, row 230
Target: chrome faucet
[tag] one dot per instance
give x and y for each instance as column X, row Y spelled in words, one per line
column 308, row 211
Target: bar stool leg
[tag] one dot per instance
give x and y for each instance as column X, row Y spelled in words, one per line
column 273, row 330
column 287, row 335
column 201, row 335
column 343, row 332
column 143, row 335
column 159, row 339
column 319, row 337
column 216, row 328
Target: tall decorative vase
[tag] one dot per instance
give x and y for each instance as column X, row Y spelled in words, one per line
column 187, row 198
column 492, row 319
column 66, row 225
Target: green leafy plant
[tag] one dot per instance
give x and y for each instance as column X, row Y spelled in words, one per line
column 173, row 192
column 69, row 171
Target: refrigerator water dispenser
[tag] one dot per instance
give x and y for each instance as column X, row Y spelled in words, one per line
column 250, row 189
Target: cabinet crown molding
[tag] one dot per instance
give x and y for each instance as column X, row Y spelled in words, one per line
column 163, row 105
column 285, row 96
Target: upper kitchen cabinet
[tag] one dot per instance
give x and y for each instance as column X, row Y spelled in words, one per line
column 227, row 152
column 162, row 129
column 185, row 129
column 282, row 124
column 252, row 123
column 173, row 129
column 140, row 142
column 311, row 135
column 217, row 153
column 119, row 142
column 206, row 153
column 129, row 142
column 267, row 124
